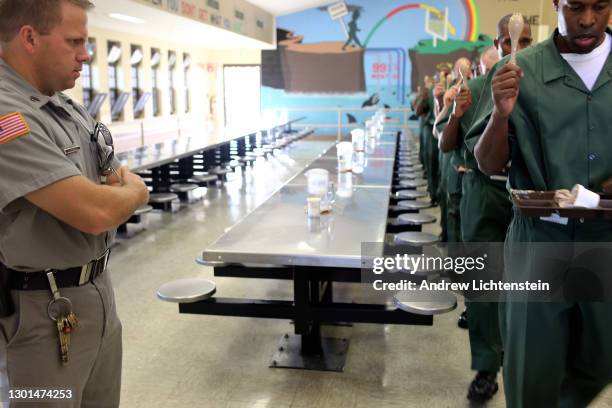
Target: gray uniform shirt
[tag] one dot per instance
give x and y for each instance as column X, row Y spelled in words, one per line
column 30, row 238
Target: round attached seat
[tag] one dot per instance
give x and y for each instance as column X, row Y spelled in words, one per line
column 416, row 219
column 247, row 159
column 414, row 204
column 404, row 176
column 416, row 238
column 202, row 262
column 165, row 201
column 411, row 194
column 139, row 217
column 157, row 198
column 410, row 175
column 425, row 302
column 413, row 183
column 235, row 164
column 188, row 192
column 187, row 290
column 183, row 187
column 142, row 210
column 220, row 171
column 404, row 169
column 409, row 158
column 407, row 162
column 205, row 178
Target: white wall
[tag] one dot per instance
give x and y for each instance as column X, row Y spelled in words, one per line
column 204, row 85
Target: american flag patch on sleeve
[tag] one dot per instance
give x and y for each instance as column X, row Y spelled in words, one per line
column 12, row 126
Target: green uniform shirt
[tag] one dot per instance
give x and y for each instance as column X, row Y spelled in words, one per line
column 559, row 133
column 476, row 85
column 30, row 238
column 451, row 160
column 485, row 205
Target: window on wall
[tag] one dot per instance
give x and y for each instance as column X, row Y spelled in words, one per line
column 136, row 76
column 186, row 68
column 171, row 89
column 241, row 85
column 155, row 90
column 87, row 74
column 114, row 90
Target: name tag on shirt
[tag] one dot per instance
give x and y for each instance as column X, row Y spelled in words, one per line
column 71, row 150
column 556, row 219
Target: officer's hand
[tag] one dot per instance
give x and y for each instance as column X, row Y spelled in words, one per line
column 463, row 101
column 134, row 182
column 112, row 178
column 505, row 88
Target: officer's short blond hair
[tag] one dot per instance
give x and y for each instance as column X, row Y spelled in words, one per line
column 43, row 15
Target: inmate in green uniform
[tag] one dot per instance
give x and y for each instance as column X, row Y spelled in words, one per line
column 431, row 150
column 422, row 120
column 449, row 189
column 54, row 142
column 556, row 354
column 485, row 216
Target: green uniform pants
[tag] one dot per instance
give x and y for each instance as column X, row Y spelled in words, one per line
column 422, row 141
column 485, row 338
column 453, row 221
column 442, row 194
column 557, row 354
column 485, row 216
column 431, row 162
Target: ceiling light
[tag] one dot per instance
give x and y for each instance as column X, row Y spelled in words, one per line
column 127, row 18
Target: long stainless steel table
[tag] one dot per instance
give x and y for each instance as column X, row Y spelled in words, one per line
column 147, row 157
column 313, row 253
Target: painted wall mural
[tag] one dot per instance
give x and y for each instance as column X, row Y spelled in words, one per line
column 376, row 54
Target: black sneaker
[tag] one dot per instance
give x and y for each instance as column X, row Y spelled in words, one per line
column 463, row 320
column 483, row 387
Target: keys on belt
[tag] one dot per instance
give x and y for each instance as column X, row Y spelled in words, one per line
column 60, row 311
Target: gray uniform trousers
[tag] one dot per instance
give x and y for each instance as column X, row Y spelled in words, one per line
column 95, row 351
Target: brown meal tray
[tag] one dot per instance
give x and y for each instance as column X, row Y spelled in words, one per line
column 542, row 204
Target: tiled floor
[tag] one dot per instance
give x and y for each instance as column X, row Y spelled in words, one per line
column 177, row 360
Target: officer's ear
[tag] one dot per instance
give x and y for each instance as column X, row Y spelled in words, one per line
column 29, row 38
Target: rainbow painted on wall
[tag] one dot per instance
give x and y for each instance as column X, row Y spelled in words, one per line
column 473, row 23
column 473, row 20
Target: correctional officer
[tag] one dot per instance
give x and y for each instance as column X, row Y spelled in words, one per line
column 485, row 216
column 59, row 206
column 551, row 118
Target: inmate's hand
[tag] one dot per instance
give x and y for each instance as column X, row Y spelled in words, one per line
column 505, row 89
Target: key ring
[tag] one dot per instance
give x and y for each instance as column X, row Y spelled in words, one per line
column 58, row 300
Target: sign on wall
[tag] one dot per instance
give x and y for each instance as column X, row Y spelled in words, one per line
column 237, row 16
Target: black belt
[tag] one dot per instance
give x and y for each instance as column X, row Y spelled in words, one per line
column 65, row 278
